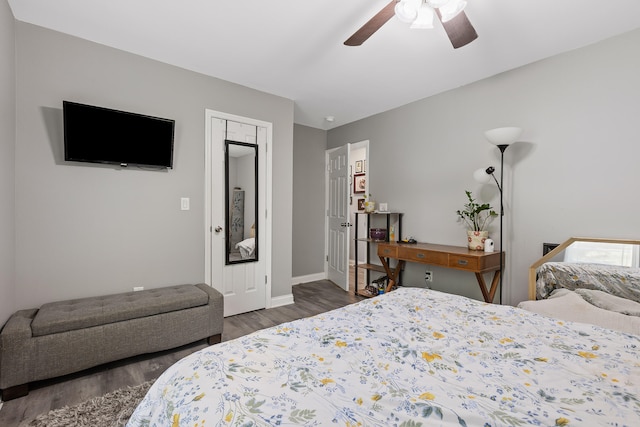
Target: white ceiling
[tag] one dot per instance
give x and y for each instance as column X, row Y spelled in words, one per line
column 293, row 48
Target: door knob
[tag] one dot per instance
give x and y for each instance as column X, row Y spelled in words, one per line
column 218, row 229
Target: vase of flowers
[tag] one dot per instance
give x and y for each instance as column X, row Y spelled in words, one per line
column 477, row 217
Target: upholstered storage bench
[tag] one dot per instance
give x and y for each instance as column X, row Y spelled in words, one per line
column 68, row 336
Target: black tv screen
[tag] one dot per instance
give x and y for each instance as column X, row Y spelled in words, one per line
column 102, row 135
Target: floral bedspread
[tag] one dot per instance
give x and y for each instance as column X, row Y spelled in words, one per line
column 410, row 357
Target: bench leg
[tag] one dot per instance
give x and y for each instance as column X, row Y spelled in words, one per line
column 214, row 339
column 14, row 392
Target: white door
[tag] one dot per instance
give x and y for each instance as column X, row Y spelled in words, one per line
column 337, row 203
column 245, row 285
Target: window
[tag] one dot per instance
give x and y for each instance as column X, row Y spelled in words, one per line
column 603, row 253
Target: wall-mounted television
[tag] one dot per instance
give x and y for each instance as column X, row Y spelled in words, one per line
column 102, row 135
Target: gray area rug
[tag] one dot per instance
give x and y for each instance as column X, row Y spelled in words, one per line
column 112, row 409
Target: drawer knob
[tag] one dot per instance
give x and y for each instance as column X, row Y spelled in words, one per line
column 463, row 262
column 419, row 255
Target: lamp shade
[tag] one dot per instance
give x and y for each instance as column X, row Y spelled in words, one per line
column 503, row 136
column 482, row 176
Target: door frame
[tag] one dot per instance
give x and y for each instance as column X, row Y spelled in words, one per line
column 266, row 231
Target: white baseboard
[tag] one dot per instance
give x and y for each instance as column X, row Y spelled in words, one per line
column 308, row 278
column 288, row 299
column 282, row 300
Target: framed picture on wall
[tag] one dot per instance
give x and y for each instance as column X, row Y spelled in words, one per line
column 360, row 204
column 359, row 166
column 359, row 183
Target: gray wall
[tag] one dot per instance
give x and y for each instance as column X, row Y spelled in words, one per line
column 309, row 147
column 574, row 173
column 7, row 163
column 85, row 230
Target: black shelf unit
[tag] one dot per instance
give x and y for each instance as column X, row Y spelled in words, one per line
column 368, row 266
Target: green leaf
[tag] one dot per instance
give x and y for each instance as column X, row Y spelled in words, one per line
column 438, row 412
column 170, row 408
column 254, row 406
column 300, row 416
column 511, row 355
column 545, row 396
column 296, row 386
column 507, row 419
column 476, row 215
column 572, row 401
column 429, row 410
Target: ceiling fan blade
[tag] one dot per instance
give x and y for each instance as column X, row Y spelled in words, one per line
column 372, row 25
column 459, row 30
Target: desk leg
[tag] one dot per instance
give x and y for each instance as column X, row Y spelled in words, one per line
column 488, row 295
column 392, row 274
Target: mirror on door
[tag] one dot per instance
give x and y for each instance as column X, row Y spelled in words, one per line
column 241, row 183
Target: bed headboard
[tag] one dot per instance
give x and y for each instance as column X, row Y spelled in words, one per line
column 560, row 248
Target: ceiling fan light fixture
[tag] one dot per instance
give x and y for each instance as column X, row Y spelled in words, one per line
column 459, row 30
column 437, row 4
column 452, row 8
column 407, row 10
column 424, row 20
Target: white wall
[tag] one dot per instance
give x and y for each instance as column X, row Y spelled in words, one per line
column 574, row 173
column 7, row 161
column 85, row 230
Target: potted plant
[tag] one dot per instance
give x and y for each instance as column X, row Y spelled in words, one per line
column 476, row 217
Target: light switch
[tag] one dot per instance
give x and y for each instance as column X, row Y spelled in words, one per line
column 184, row 203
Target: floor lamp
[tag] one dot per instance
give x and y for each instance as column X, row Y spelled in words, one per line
column 501, row 138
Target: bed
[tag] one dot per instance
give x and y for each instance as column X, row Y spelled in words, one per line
column 410, row 357
column 247, row 248
column 595, row 288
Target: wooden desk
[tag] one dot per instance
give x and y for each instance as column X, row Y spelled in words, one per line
column 457, row 257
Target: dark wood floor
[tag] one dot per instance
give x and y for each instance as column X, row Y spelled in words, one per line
column 310, row 299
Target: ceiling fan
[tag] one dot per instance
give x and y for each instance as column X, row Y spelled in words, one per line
column 420, row 14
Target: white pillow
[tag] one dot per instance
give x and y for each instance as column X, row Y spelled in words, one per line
column 564, row 304
column 610, row 302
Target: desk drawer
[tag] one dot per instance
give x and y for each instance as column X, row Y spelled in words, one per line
column 463, row 262
column 388, row 251
column 423, row 256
